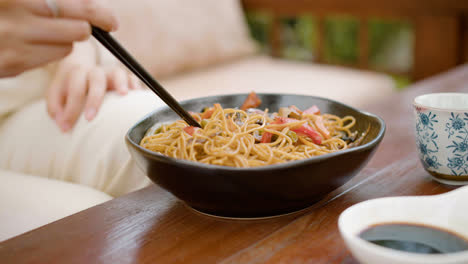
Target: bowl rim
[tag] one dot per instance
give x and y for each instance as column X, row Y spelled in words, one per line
column 284, row 165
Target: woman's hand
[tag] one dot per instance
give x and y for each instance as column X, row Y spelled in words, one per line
column 30, row 35
column 79, row 87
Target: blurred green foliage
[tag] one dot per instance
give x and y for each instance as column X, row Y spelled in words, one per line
column 299, row 36
column 390, row 41
column 401, row 81
column 391, row 44
column 259, row 24
column 341, row 39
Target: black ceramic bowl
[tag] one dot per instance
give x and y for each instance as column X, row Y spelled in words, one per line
column 258, row 191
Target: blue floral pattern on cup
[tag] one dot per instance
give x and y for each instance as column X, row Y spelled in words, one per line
column 441, row 130
column 426, row 137
column 455, row 136
column 457, row 129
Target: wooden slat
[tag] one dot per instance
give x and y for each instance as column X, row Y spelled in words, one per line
column 320, row 49
column 436, row 47
column 275, row 37
column 464, row 38
column 314, row 238
column 361, row 6
column 363, row 43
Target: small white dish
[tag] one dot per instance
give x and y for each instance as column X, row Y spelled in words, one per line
column 447, row 211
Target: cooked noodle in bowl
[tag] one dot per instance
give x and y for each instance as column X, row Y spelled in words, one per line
column 249, row 137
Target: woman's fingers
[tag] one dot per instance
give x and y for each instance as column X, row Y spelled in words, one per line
column 29, row 24
column 55, row 31
column 118, row 81
column 96, row 12
column 30, row 56
column 56, row 95
column 39, row 54
column 81, row 89
column 96, row 90
column 76, row 88
column 134, row 82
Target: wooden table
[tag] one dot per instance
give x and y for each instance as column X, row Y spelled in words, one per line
column 151, row 226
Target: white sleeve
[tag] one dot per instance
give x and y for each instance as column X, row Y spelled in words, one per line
column 18, row 91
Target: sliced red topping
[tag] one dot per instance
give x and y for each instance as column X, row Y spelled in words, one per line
column 208, row 113
column 266, row 137
column 252, row 101
column 309, row 132
column 304, row 129
column 312, row 110
column 295, row 112
column 190, row 130
column 321, row 127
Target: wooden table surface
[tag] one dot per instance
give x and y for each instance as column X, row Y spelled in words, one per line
column 152, row 226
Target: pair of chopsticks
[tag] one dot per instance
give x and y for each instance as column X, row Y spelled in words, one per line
column 118, row 51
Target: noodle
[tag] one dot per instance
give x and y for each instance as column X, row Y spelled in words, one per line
column 238, row 138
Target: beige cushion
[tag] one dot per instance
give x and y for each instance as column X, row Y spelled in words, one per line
column 264, row 74
column 169, row 36
column 28, row 202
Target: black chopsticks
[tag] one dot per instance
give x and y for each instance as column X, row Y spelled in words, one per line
column 115, row 48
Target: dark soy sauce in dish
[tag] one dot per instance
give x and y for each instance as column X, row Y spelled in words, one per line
column 414, row 238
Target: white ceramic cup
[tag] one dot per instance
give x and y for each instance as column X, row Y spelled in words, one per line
column 441, row 128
